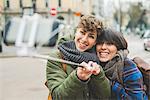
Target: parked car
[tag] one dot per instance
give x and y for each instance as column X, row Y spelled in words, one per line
column 146, row 39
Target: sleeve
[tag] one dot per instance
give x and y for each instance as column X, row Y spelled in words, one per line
column 64, row 38
column 132, row 87
column 101, row 85
column 59, row 83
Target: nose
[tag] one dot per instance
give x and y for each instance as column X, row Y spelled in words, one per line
column 103, row 46
column 84, row 38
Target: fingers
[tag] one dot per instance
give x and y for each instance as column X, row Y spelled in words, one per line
column 83, row 69
column 92, row 67
column 83, row 73
column 89, row 68
column 83, row 64
column 96, row 68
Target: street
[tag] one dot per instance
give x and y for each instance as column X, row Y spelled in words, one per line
column 136, row 48
column 23, row 78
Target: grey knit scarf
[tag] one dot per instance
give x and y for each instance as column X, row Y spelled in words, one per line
column 70, row 53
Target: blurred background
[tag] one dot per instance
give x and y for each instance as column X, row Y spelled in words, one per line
column 34, row 26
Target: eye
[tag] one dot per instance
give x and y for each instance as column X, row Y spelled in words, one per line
column 109, row 43
column 92, row 36
column 82, row 32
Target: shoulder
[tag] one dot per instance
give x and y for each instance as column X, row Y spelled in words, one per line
column 64, row 38
column 55, row 53
column 129, row 63
column 130, row 69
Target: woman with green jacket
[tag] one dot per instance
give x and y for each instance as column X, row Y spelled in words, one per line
column 75, row 82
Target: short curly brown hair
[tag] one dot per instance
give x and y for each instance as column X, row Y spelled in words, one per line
column 90, row 23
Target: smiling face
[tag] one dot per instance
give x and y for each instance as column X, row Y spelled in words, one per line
column 106, row 51
column 87, row 31
column 85, row 40
column 108, row 43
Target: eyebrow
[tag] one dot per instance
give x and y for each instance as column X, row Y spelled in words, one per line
column 91, row 33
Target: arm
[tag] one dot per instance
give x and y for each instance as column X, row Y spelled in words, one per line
column 99, row 87
column 101, row 84
column 60, row 84
column 132, row 87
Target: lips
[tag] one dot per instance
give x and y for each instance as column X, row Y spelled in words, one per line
column 103, row 54
column 82, row 45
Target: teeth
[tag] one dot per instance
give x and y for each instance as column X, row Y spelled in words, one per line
column 83, row 45
column 103, row 54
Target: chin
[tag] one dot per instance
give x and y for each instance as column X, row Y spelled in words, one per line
column 104, row 60
column 81, row 50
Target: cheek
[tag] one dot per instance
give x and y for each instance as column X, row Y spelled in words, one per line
column 77, row 37
column 113, row 52
column 90, row 45
column 98, row 50
column 92, row 42
column 98, row 47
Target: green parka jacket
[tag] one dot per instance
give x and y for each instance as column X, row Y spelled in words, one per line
column 66, row 85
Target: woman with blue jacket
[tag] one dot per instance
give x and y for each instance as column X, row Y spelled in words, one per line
column 126, row 79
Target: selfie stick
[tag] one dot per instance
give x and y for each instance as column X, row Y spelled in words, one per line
column 55, row 59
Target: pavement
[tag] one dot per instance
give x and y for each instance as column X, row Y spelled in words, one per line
column 22, row 78
column 136, row 47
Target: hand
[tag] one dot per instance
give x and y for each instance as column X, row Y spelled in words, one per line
column 90, row 68
column 95, row 68
column 84, row 73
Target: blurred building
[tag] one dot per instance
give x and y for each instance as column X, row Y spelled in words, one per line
column 1, row 16
column 115, row 13
column 16, row 7
column 14, row 10
column 70, row 9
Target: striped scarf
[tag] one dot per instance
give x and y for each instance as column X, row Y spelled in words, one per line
column 70, row 53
